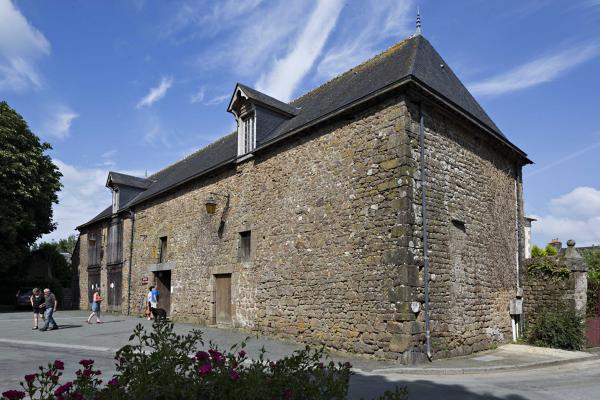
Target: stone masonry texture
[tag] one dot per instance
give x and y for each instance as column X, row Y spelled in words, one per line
column 336, row 251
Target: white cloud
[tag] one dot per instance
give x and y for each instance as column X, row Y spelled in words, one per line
column 288, row 71
column 156, row 93
column 536, row 72
column 575, row 215
column 82, row 197
column 20, row 46
column 59, row 124
column 363, row 36
column 218, row 100
column 198, row 96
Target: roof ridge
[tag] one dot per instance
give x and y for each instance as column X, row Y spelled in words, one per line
column 375, row 58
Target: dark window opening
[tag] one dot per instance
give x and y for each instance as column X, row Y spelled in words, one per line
column 94, row 249
column 162, row 254
column 245, row 242
column 459, row 225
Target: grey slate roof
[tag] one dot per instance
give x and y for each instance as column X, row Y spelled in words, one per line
column 413, row 59
column 268, row 100
column 129, row 180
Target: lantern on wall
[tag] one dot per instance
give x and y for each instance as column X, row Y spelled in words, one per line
column 211, row 205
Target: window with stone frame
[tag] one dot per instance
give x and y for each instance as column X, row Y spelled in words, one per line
column 245, row 246
column 115, row 243
column 94, row 248
column 162, row 251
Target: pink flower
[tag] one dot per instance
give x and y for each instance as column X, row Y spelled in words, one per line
column 206, row 369
column 63, row 389
column 77, row 396
column 202, row 355
column 29, row 378
column 234, row 375
column 86, row 363
column 98, row 372
column 59, row 364
column 87, row 372
column 13, row 394
column 242, row 354
column 113, row 382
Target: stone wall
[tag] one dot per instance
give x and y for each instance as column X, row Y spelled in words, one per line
column 472, row 190
column 552, row 291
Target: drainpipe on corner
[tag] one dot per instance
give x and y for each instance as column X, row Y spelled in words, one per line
column 132, row 216
column 425, row 237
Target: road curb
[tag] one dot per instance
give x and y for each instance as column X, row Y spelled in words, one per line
column 478, row 370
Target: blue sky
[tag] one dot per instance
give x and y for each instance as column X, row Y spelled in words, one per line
column 133, row 86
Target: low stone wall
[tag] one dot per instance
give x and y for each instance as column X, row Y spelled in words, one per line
column 543, row 290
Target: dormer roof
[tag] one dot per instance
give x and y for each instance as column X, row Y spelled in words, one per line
column 265, row 100
column 119, row 179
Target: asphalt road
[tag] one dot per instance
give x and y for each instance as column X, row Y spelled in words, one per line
column 22, row 350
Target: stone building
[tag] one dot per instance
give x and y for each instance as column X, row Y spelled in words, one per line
column 309, row 222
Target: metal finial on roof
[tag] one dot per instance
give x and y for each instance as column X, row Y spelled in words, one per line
column 418, row 30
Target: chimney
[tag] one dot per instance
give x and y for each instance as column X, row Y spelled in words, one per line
column 556, row 244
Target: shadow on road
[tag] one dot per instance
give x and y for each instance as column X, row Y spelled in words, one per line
column 62, row 326
column 369, row 387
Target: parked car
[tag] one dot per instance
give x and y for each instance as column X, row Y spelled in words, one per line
column 23, row 297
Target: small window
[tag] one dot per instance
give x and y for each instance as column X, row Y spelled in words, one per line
column 115, row 200
column 249, row 132
column 162, row 252
column 245, row 243
column 459, row 225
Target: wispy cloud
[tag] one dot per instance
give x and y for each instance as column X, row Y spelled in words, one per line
column 363, row 36
column 198, row 97
column 59, row 124
column 562, row 160
column 541, row 70
column 20, row 46
column 574, row 215
column 156, row 93
column 82, row 196
column 217, row 100
column 287, row 72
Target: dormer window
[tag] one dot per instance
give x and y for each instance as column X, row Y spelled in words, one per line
column 115, row 200
column 248, row 130
column 257, row 116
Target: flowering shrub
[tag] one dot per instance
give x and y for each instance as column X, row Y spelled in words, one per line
column 164, row 365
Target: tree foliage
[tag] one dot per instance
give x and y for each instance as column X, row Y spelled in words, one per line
column 29, row 182
column 537, row 251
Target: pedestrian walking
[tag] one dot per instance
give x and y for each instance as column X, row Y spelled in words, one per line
column 51, row 305
column 36, row 304
column 96, row 301
column 152, row 301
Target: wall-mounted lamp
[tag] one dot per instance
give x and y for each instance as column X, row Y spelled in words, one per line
column 211, row 203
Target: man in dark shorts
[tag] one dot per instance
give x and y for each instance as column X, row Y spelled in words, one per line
column 51, row 306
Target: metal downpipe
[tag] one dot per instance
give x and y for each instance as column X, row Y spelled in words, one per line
column 132, row 215
column 425, row 234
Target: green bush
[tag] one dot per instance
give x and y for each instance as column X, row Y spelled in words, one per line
column 560, row 328
column 536, row 251
column 551, row 250
column 164, row 365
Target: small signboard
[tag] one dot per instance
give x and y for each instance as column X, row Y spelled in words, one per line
column 145, row 280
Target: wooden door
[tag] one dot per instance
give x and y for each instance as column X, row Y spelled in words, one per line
column 93, row 283
column 223, row 298
column 113, row 291
column 163, row 285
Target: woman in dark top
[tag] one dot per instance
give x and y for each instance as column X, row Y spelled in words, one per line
column 37, row 299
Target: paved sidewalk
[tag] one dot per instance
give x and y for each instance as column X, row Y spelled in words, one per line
column 15, row 329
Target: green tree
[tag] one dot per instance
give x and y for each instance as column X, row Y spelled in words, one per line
column 551, row 250
column 29, row 181
column 592, row 259
column 67, row 245
column 536, row 251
